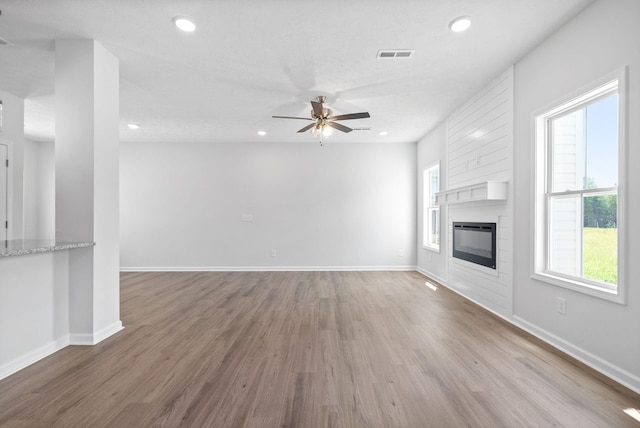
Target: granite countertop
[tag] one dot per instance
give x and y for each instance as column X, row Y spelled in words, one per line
column 20, row 247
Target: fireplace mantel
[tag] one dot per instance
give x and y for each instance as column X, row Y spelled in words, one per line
column 485, row 191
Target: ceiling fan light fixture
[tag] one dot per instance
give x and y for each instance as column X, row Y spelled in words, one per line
column 185, row 24
column 322, row 129
column 324, row 121
column 316, row 131
column 460, row 24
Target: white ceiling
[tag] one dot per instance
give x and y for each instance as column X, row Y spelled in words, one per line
column 250, row 59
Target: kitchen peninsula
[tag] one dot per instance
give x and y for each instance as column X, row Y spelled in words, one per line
column 36, row 300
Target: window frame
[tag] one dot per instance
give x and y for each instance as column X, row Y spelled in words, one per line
column 429, row 206
column 541, row 177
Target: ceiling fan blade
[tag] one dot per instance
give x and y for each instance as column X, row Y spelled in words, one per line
column 308, row 127
column 339, row 127
column 291, row 117
column 362, row 115
column 317, row 108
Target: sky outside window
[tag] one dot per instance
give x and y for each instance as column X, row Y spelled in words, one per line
column 601, row 152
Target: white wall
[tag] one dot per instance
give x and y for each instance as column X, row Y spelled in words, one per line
column 601, row 39
column 341, row 206
column 106, row 198
column 430, row 150
column 39, row 190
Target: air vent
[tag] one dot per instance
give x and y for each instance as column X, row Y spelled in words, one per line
column 5, row 42
column 395, row 53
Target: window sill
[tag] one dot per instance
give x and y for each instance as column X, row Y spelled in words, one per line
column 581, row 287
column 430, row 248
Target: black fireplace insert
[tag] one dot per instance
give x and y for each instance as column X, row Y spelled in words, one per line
column 475, row 243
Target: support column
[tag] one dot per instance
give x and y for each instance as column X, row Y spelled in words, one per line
column 87, row 194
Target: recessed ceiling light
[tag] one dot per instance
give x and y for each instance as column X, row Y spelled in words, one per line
column 185, row 24
column 262, row 133
column 133, row 125
column 459, row 24
column 382, row 133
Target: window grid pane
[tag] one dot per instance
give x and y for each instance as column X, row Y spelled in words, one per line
column 600, row 238
column 565, row 235
column 582, row 234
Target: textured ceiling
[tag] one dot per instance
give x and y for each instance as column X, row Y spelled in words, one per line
column 250, row 59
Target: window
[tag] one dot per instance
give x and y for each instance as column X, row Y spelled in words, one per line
column 577, row 207
column 431, row 212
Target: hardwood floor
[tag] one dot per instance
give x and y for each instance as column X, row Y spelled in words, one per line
column 308, row 349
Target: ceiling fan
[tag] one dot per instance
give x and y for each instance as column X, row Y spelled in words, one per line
column 324, row 120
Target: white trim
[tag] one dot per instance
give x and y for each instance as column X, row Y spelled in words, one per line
column 106, row 332
column 602, row 366
column 623, row 171
column 33, row 356
column 583, row 287
column 262, row 268
column 9, row 144
column 600, row 191
column 623, row 377
column 427, row 207
column 539, row 214
column 80, row 339
column 502, row 316
column 430, row 275
column 96, row 337
column 605, row 87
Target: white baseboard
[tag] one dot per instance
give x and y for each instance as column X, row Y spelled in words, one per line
column 96, row 337
column 17, row 364
column 600, row 365
column 263, row 268
column 80, row 339
column 486, row 308
column 612, row 371
column 34, row 356
column 430, row 275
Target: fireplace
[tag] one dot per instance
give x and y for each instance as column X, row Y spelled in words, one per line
column 475, row 243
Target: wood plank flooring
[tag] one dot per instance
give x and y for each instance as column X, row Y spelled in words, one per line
column 308, row 349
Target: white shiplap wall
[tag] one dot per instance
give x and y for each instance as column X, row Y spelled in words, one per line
column 480, row 148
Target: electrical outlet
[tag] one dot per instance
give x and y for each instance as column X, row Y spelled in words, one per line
column 274, row 253
column 400, row 253
column 562, row 305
